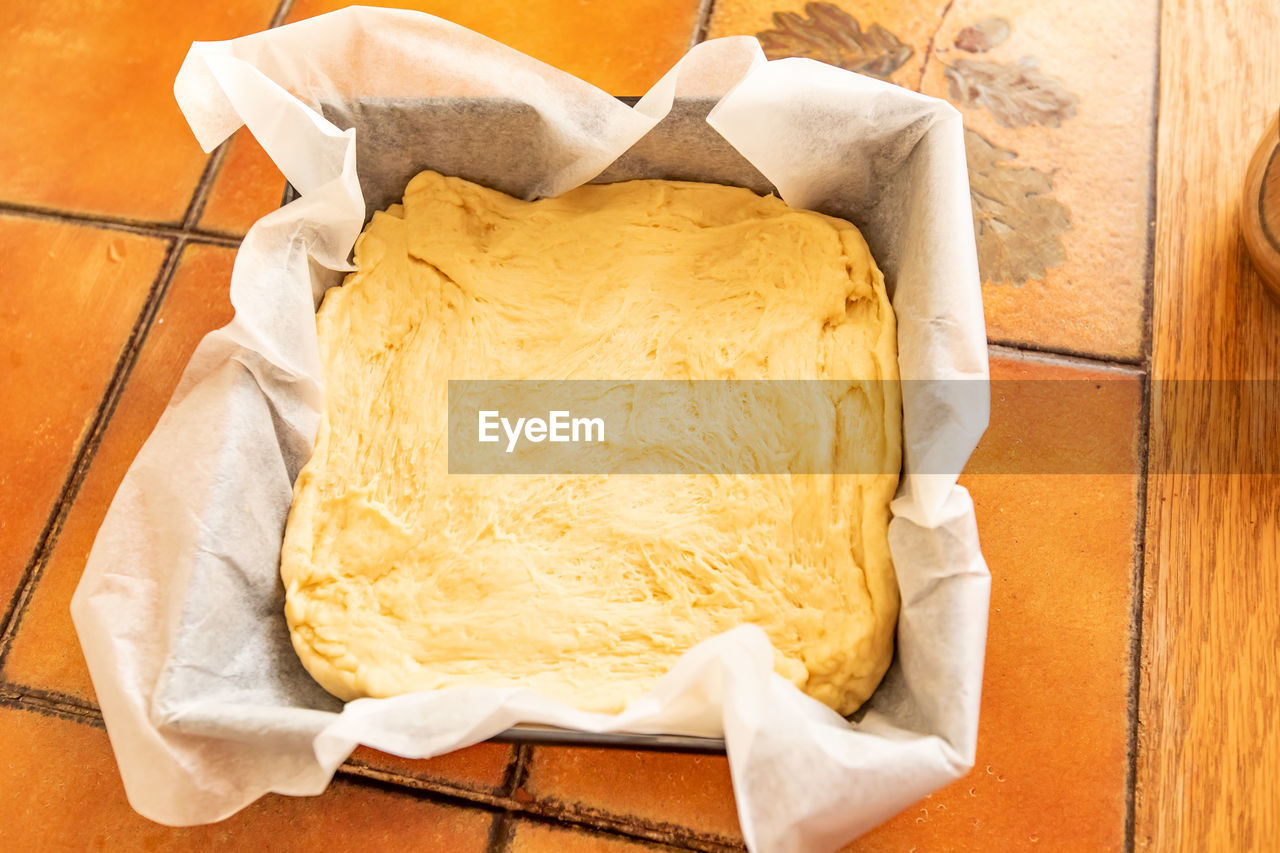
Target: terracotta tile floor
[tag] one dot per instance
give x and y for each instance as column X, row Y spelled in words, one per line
column 119, row 237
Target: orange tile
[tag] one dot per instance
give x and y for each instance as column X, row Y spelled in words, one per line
column 247, row 187
column 71, row 296
column 1052, row 754
column 45, row 653
column 1060, row 156
column 1084, row 422
column 623, row 49
column 60, row 790
column 660, row 790
column 476, row 768
column 527, row 836
column 87, row 94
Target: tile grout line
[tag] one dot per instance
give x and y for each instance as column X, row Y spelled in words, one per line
column 1136, row 614
column 73, row 704
column 517, row 770
column 157, row 230
column 440, row 798
column 13, row 696
column 507, row 813
column 1063, row 360
column 702, row 22
column 517, row 808
column 475, row 796
column 671, row 835
column 1066, row 353
column 596, row 831
column 501, row 832
column 282, row 12
column 931, row 46
column 513, row 778
column 1137, row 607
column 204, row 188
column 546, row 811
column 88, row 447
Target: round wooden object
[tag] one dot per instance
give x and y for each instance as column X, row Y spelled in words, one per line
column 1260, row 208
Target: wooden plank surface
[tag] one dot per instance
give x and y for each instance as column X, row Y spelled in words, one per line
column 1208, row 771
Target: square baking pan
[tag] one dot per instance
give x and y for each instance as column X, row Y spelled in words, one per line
column 436, row 134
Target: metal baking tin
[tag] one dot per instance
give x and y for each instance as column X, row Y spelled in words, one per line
column 716, row 162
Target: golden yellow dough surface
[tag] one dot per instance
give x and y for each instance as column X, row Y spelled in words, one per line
column 401, row 577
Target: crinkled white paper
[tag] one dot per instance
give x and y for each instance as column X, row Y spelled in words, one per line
column 179, row 611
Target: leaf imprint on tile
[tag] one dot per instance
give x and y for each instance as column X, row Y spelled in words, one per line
column 831, row 35
column 1018, row 94
column 1018, row 224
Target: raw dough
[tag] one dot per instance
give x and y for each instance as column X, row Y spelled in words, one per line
column 400, row 577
